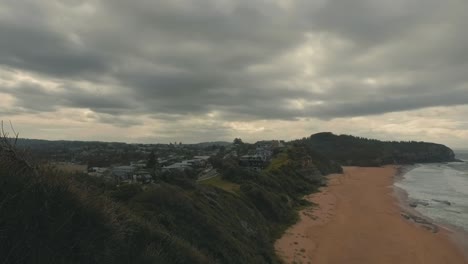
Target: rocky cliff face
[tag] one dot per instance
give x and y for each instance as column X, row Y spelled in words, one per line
column 432, row 153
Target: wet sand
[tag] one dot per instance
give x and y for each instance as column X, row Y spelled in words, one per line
column 358, row 220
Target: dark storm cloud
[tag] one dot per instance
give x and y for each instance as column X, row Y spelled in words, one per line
column 29, row 42
column 392, row 103
column 113, row 120
column 175, row 58
column 370, row 22
column 34, row 97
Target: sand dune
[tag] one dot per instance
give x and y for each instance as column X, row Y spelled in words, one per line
column 358, row 220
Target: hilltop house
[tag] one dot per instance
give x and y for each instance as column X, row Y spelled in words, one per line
column 196, row 162
column 254, row 162
column 123, row 172
column 177, row 166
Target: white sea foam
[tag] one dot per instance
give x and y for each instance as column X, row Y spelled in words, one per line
column 444, row 187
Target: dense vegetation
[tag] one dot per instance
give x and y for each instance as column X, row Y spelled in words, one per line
column 350, row 150
column 47, row 216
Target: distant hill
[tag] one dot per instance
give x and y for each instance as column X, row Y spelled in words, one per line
column 35, row 142
column 351, row 150
column 214, row 143
column 40, row 143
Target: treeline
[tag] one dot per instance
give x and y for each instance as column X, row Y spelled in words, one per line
column 358, row 151
column 47, row 216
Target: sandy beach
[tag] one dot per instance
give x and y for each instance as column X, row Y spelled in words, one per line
column 358, row 220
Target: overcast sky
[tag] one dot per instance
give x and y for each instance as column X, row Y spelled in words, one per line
column 205, row 70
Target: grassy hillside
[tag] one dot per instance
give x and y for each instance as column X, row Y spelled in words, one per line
column 47, row 216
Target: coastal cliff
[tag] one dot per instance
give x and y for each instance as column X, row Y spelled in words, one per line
column 358, row 151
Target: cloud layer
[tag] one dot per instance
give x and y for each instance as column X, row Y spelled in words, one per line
column 209, row 70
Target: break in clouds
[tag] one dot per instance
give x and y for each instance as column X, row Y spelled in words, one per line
column 154, row 71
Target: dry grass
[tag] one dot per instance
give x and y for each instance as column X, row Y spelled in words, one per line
column 281, row 160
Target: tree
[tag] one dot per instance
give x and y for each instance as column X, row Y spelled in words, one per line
column 152, row 161
column 237, row 141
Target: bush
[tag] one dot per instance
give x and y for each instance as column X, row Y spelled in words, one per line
column 48, row 218
column 126, row 191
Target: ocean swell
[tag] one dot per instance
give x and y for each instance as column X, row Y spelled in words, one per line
column 439, row 191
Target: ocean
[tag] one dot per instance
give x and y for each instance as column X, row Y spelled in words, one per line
column 440, row 191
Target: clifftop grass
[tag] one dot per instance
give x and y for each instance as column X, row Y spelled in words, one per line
column 222, row 184
column 281, row 160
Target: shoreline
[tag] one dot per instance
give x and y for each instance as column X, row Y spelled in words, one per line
column 457, row 235
column 407, row 211
column 358, row 219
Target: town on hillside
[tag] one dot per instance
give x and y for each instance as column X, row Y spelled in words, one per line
column 142, row 163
